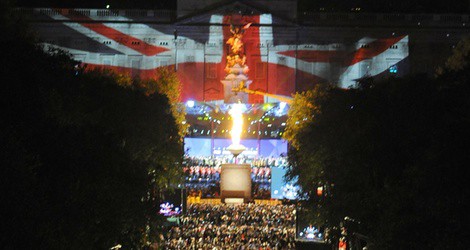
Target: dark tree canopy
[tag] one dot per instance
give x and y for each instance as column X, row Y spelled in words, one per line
column 385, row 6
column 84, row 153
column 391, row 154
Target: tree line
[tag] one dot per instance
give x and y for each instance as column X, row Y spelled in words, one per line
column 390, row 155
column 85, row 153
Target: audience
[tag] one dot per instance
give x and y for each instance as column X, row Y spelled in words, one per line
column 235, row 227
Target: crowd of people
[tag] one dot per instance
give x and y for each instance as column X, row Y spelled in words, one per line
column 211, row 190
column 235, row 227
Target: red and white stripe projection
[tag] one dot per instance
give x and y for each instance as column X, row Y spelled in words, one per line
column 276, row 68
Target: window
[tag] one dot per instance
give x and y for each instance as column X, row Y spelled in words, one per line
column 364, row 68
column 260, row 70
column 162, row 61
column 79, row 57
column 135, row 67
column 211, row 70
column 121, row 40
column 281, row 60
column 189, row 59
column 313, row 68
column 149, row 40
column 135, row 62
column 106, row 59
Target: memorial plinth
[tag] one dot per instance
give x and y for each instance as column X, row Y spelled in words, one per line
column 235, row 181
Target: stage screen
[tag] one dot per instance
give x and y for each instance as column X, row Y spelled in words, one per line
column 171, row 203
column 201, row 147
column 280, row 189
column 306, row 228
column 273, row 148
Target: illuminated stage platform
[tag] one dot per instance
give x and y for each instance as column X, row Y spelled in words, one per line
column 234, row 201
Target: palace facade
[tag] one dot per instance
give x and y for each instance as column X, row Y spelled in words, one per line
column 286, row 50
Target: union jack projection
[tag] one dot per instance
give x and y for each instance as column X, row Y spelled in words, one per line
column 283, row 58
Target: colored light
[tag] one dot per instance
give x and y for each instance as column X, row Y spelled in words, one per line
column 190, row 103
column 319, row 191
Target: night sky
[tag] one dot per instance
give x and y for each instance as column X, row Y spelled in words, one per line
column 415, row 6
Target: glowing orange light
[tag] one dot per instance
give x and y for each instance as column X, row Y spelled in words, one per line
column 237, row 124
column 319, row 191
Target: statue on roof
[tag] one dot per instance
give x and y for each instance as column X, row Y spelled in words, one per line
column 236, row 52
column 236, row 68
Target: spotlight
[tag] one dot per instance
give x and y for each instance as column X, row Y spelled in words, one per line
column 282, row 105
column 190, row 103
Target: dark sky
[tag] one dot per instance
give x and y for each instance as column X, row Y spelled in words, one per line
column 117, row 4
column 415, row 6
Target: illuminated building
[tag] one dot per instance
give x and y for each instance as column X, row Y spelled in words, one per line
column 287, row 50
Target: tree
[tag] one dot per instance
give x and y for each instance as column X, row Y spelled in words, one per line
column 84, row 153
column 393, row 157
column 167, row 84
column 460, row 56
